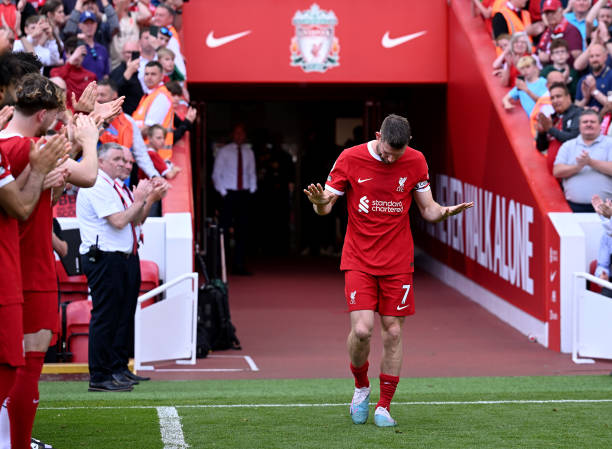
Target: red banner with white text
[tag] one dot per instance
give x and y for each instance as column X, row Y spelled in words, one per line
column 506, row 243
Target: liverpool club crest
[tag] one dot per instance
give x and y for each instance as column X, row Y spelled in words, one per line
column 314, row 47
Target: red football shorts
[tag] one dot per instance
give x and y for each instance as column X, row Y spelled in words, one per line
column 11, row 335
column 40, row 312
column 391, row 295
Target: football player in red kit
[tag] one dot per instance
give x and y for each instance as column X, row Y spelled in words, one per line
column 38, row 103
column 380, row 178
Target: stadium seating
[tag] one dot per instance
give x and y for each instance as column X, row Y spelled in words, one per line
column 71, row 288
column 75, row 309
column 78, row 314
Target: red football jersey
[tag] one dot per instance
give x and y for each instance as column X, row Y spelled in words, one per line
column 37, row 260
column 378, row 196
column 10, row 268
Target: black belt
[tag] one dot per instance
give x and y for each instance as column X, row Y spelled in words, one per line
column 120, row 253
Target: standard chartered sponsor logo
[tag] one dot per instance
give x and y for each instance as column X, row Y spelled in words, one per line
column 385, row 207
column 364, row 204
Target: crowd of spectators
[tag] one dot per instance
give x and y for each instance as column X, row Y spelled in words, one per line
column 81, row 81
column 133, row 45
column 556, row 58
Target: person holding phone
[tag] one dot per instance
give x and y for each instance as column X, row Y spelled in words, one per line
column 125, row 76
column 73, row 73
column 529, row 86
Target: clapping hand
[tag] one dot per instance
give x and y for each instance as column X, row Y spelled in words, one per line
column 108, row 111
column 87, row 100
column 143, row 190
column 45, row 156
column 85, row 130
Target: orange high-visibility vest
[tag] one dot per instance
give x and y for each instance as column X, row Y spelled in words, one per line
column 119, row 131
column 176, row 35
column 143, row 109
column 514, row 22
column 498, row 5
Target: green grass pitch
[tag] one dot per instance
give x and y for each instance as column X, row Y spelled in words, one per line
column 500, row 412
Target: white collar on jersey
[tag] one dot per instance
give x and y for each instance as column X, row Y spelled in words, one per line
column 4, row 134
column 372, row 152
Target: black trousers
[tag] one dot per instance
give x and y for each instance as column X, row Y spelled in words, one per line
column 580, row 207
column 235, row 213
column 114, row 281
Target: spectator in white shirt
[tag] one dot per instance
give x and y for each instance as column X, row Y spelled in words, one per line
column 39, row 40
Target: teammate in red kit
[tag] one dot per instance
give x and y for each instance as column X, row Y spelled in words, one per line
column 38, row 103
column 17, row 201
column 380, row 179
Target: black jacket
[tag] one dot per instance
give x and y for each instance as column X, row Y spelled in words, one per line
column 569, row 128
column 131, row 89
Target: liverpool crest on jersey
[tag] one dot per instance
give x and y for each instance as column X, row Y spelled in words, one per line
column 401, row 182
column 314, row 47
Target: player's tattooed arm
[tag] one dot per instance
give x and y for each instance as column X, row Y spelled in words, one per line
column 322, row 200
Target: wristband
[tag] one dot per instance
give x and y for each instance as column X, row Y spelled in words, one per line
column 596, row 91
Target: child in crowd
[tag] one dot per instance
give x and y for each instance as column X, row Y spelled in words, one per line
column 529, row 86
column 157, row 136
column 165, row 56
column 559, row 56
column 507, row 61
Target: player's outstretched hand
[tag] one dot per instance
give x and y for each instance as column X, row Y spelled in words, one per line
column 316, row 194
column 456, row 209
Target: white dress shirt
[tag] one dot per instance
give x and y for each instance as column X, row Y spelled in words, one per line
column 140, row 151
column 225, row 170
column 93, row 206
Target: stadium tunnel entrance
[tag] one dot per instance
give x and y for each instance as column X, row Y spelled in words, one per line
column 296, row 132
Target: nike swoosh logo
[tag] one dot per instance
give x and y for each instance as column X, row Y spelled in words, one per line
column 403, row 307
column 359, row 180
column 389, row 42
column 214, row 42
column 552, row 275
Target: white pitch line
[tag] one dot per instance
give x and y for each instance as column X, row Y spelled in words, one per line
column 170, row 428
column 198, row 370
column 247, row 359
column 501, row 402
column 251, row 363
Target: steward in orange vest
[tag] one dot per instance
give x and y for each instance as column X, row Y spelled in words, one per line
column 120, row 131
column 510, row 18
column 167, row 123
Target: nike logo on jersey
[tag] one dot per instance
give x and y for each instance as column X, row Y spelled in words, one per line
column 389, row 42
column 359, row 180
column 214, row 42
column 402, row 307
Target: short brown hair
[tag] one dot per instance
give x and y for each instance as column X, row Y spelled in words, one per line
column 395, row 130
column 559, row 43
column 152, row 129
column 36, row 92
